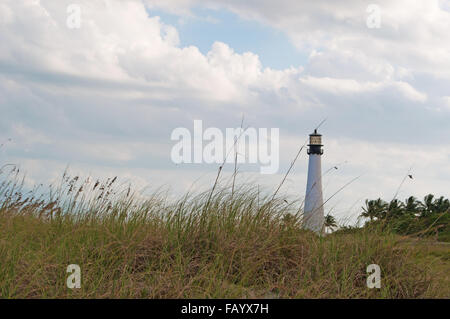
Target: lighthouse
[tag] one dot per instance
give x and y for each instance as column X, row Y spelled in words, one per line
column 313, row 217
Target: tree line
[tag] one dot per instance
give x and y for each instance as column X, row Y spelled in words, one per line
column 431, row 216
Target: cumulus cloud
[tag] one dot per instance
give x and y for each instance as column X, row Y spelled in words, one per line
column 407, row 32
column 104, row 98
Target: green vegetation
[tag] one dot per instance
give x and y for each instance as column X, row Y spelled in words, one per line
column 411, row 217
column 225, row 243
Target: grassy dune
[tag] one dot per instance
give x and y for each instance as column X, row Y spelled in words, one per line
column 214, row 245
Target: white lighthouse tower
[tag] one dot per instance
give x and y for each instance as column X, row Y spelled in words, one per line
column 313, row 211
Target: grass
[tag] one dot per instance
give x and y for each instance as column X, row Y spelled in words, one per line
column 221, row 244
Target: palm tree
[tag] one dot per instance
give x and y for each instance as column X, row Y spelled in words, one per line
column 330, row 222
column 395, row 208
column 374, row 209
column 441, row 205
column 412, row 206
column 370, row 210
column 428, row 205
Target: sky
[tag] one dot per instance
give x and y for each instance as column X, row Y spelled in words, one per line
column 104, row 98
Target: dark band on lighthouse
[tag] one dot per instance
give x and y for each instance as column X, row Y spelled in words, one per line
column 315, row 143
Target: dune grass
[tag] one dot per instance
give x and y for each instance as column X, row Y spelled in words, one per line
column 221, row 244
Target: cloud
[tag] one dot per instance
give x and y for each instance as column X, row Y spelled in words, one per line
column 105, row 98
column 407, row 32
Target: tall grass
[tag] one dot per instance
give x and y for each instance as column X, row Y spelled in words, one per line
column 222, row 244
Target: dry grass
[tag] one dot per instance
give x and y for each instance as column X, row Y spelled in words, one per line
column 224, row 245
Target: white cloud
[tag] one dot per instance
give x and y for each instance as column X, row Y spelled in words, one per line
column 106, row 97
column 408, row 29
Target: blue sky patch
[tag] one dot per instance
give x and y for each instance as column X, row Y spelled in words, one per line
column 272, row 46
